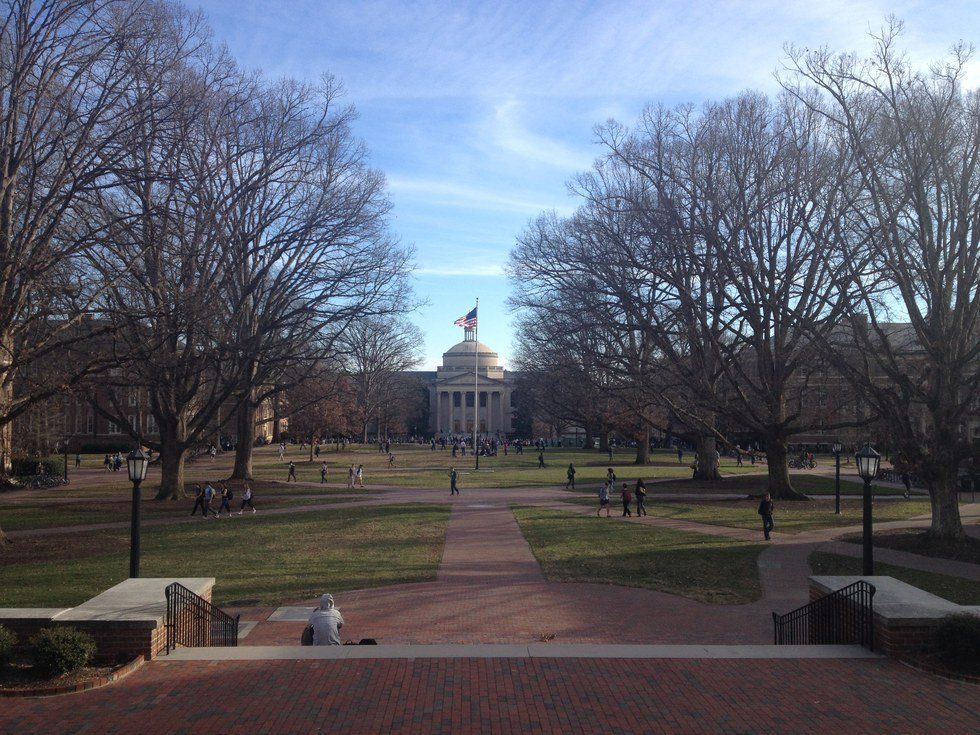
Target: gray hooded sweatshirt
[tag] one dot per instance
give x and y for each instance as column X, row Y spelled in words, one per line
column 327, row 622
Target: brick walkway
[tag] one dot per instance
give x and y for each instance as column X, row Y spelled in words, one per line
column 490, row 589
column 510, row 696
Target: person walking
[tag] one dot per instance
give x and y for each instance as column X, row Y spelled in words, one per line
column 907, row 481
column 641, row 495
column 765, row 510
column 350, row 477
column 246, row 499
column 78, row 459
column 540, row 460
column 680, row 456
column 292, row 472
column 627, row 497
column 738, row 457
column 323, row 473
column 604, row 498
column 453, row 489
column 571, row 477
column 208, row 500
column 226, row 497
column 199, row 501
column 360, row 475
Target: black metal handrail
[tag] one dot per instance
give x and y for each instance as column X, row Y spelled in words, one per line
column 843, row 616
column 193, row 621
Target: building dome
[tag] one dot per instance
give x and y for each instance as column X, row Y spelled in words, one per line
column 461, row 355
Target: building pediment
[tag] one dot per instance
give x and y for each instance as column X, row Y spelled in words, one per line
column 465, row 381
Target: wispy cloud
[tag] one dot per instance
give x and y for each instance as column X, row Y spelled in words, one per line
column 462, row 269
column 449, row 194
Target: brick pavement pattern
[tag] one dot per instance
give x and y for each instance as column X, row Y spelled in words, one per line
column 490, row 589
column 510, row 696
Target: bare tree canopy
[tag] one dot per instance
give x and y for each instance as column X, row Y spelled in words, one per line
column 911, row 273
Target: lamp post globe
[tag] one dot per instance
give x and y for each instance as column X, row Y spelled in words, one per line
column 868, row 461
column 136, row 463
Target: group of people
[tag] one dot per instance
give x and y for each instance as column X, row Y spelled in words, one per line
column 627, row 495
column 204, row 498
column 111, row 462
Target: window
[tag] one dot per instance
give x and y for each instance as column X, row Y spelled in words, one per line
column 483, row 400
column 90, row 423
column 134, row 423
column 132, row 397
column 113, row 428
column 151, row 425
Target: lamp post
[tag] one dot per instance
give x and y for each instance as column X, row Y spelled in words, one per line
column 65, row 448
column 867, row 462
column 837, row 451
column 136, row 463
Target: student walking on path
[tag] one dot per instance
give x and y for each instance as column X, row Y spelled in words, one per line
column 208, row 499
column 323, row 473
column 226, row 497
column 604, row 498
column 641, row 494
column 627, row 497
column 246, row 500
column 360, row 475
column 571, row 477
column 453, row 490
column 199, row 502
column 680, row 456
column 540, row 460
column 292, row 472
column 350, row 477
column 765, row 510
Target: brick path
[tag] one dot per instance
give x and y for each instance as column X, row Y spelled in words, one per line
column 490, row 589
column 510, row 696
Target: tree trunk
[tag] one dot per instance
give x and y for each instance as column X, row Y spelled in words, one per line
column 172, row 457
column 779, row 483
column 604, row 440
column 707, row 468
column 588, row 438
column 245, row 428
column 643, row 447
column 6, row 433
column 942, row 486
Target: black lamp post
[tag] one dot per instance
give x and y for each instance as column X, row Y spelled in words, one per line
column 837, row 451
column 136, row 464
column 867, row 462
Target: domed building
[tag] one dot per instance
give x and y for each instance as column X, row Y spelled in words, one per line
column 451, row 392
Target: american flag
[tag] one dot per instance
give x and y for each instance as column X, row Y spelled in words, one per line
column 468, row 321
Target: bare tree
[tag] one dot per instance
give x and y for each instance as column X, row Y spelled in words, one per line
column 375, row 352
column 63, row 70
column 308, row 246
column 914, row 251
column 169, row 308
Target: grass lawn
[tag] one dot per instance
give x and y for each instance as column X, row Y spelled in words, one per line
column 955, row 589
column 256, row 559
column 756, row 484
column 51, row 514
column 573, row 548
column 790, row 517
column 915, row 541
column 421, row 467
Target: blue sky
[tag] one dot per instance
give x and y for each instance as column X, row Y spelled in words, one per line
column 480, row 112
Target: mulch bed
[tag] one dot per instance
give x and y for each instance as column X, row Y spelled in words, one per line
column 934, row 665
column 21, row 679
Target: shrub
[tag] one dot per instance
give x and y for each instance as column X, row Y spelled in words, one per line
column 958, row 642
column 8, row 639
column 27, row 466
column 62, row 650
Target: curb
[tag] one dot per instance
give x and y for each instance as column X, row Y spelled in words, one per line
column 115, row 675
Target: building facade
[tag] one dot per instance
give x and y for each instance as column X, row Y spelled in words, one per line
column 471, row 387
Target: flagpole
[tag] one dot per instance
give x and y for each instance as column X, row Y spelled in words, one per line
column 476, row 381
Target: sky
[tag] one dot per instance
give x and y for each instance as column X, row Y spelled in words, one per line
column 479, row 113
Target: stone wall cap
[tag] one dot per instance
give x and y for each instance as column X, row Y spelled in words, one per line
column 31, row 613
column 139, row 600
column 896, row 601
